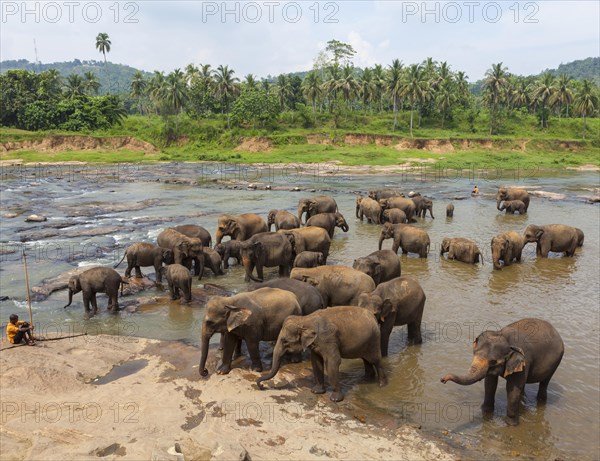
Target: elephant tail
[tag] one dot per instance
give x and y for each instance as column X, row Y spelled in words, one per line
column 117, row 265
column 123, row 282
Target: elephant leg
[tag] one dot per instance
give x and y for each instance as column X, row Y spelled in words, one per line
column 94, row 302
column 414, row 332
column 128, row 270
column 386, row 331
column 542, row 394
column 158, row 273
column 491, row 384
column 396, row 245
column 86, row 302
column 237, row 353
column 138, row 272
column 332, row 364
column 253, row 351
column 173, row 291
column 369, row 369
column 514, row 391
column 229, row 343
column 259, row 271
column 544, row 249
column 318, row 373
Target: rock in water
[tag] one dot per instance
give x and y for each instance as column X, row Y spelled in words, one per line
column 35, row 218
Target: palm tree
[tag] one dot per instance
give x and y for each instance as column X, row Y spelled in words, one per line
column 347, row 84
column 265, row 85
column 521, row 94
column 91, row 83
column 462, row 87
column 155, row 90
column 226, row 87
column 311, row 87
column 379, row 84
column 445, row 98
column 543, row 93
column 191, row 73
column 331, row 85
column 138, row 88
column 365, row 85
column 250, row 82
column 74, row 87
column 284, row 89
column 495, row 84
column 103, row 46
column 51, row 83
column 394, row 87
column 586, row 102
column 563, row 94
column 174, row 93
column 415, row 88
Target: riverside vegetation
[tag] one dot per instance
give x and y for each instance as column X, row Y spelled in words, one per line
column 374, row 116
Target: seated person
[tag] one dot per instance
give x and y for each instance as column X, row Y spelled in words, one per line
column 475, row 191
column 17, row 331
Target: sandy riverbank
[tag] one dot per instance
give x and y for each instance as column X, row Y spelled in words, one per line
column 52, row 410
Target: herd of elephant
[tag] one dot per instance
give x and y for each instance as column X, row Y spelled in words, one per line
column 336, row 311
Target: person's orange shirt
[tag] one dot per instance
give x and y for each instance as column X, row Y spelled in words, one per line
column 12, row 329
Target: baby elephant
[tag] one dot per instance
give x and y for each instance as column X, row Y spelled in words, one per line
column 229, row 249
column 179, row 278
column 450, row 210
column 333, row 334
column 309, row 259
column 394, row 216
column 97, row 280
column 512, row 206
column 212, row 260
column 461, row 249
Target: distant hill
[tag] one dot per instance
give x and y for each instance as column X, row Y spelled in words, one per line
column 116, row 77
column 588, row 68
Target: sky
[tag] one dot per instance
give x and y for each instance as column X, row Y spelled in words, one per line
column 273, row 37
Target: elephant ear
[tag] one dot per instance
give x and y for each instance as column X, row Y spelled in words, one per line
column 538, row 233
column 236, row 316
column 515, row 361
column 259, row 250
column 183, row 247
column 377, row 271
column 307, row 337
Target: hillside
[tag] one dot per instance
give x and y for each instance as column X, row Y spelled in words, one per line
column 588, row 68
column 116, row 77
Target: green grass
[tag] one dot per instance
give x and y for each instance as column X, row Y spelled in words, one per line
column 211, row 140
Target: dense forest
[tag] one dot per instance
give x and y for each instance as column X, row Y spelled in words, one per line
column 428, row 92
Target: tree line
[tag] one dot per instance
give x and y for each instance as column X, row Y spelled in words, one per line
column 333, row 88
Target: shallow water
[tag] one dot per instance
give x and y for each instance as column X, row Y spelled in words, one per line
column 462, row 300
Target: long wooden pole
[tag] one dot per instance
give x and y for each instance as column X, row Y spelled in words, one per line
column 28, row 291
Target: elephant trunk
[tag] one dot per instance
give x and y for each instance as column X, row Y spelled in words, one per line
column 70, row 299
column 431, row 213
column 357, row 210
column 204, row 354
column 219, row 236
column 496, row 258
column 381, row 239
column 300, row 211
column 247, row 266
column 498, row 201
column 345, row 227
column 277, row 353
column 478, row 371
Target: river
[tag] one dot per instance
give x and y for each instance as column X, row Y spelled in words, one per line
column 94, row 212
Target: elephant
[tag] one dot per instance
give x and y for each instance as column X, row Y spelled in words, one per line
column 97, row 280
column 380, row 194
column 404, row 204
column 506, row 247
column 381, row 266
column 184, row 248
column 143, row 254
column 308, row 259
column 267, row 249
column 328, row 221
column 240, row 227
column 252, row 316
column 316, row 205
column 339, row 285
column 213, row 261
column 399, row 301
column 461, row 249
column 309, row 298
column 524, row 352
column 229, row 249
column 199, row 232
column 179, row 278
column 450, row 210
column 411, row 239
column 309, row 239
column 553, row 237
column 282, row 220
column 422, row 204
column 394, row 216
column 343, row 332
column 369, row 208
column 512, row 193
column 512, row 206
